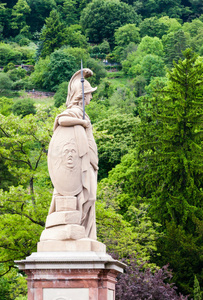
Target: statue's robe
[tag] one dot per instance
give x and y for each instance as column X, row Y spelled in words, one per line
column 82, row 182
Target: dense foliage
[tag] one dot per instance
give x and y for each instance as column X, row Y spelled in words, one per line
column 141, row 283
column 147, row 118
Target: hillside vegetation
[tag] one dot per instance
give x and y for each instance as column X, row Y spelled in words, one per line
column 147, row 115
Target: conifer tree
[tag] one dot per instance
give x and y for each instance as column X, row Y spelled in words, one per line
column 52, row 35
column 197, row 292
column 172, row 151
column 19, row 14
column 174, row 45
column 170, row 173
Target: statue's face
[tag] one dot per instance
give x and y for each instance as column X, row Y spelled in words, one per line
column 88, row 98
column 69, row 155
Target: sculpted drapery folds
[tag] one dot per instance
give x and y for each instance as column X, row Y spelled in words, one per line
column 72, row 157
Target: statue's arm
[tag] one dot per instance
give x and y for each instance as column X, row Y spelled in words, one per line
column 71, row 121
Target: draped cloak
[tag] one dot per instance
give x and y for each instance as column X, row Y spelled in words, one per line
column 85, row 185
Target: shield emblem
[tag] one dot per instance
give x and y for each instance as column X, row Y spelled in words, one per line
column 64, row 162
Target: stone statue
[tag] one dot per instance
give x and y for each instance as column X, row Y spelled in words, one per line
column 73, row 166
column 70, row 263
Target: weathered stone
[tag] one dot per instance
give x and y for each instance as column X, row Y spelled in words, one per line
column 62, row 218
column 73, row 157
column 63, row 233
column 71, row 246
column 65, row 203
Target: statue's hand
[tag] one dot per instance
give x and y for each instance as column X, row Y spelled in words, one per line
column 86, row 123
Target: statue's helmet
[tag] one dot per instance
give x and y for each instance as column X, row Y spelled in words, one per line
column 75, row 86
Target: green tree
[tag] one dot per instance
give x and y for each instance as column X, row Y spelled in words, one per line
column 22, row 40
column 101, row 18
column 16, row 73
column 13, row 285
column 152, row 27
column 174, row 44
column 197, row 7
column 74, row 37
column 123, row 100
column 9, row 67
column 53, row 34
column 5, row 83
column 40, row 10
column 195, row 30
column 100, row 50
column 23, row 148
column 69, row 12
column 185, row 259
column 165, row 169
column 39, row 75
column 171, row 8
column 125, row 35
column 170, row 166
column 97, row 111
column 172, row 23
column 152, row 66
column 139, row 83
column 104, row 47
column 178, row 115
column 197, row 292
column 19, row 15
column 61, row 68
column 23, row 107
column 12, row 53
column 61, row 94
column 4, row 292
column 111, row 199
column 121, row 237
column 115, row 136
column 156, row 84
column 3, row 13
column 9, row 54
column 81, row 4
column 155, row 26
column 78, row 53
column 10, row 3
column 148, row 45
column 98, row 70
column 5, row 106
column 104, row 91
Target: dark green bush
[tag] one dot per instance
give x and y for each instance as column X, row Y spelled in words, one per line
column 61, row 94
column 98, row 70
column 24, row 107
column 22, row 40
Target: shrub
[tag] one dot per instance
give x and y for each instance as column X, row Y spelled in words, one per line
column 22, row 40
column 61, row 94
column 24, row 107
column 141, row 283
column 17, row 73
column 5, row 106
column 61, row 68
column 5, row 83
column 98, row 70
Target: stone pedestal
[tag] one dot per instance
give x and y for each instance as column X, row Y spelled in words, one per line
column 71, row 275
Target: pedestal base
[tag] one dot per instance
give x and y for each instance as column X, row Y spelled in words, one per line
column 71, row 245
column 71, row 275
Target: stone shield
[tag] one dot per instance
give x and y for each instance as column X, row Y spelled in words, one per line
column 64, row 162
